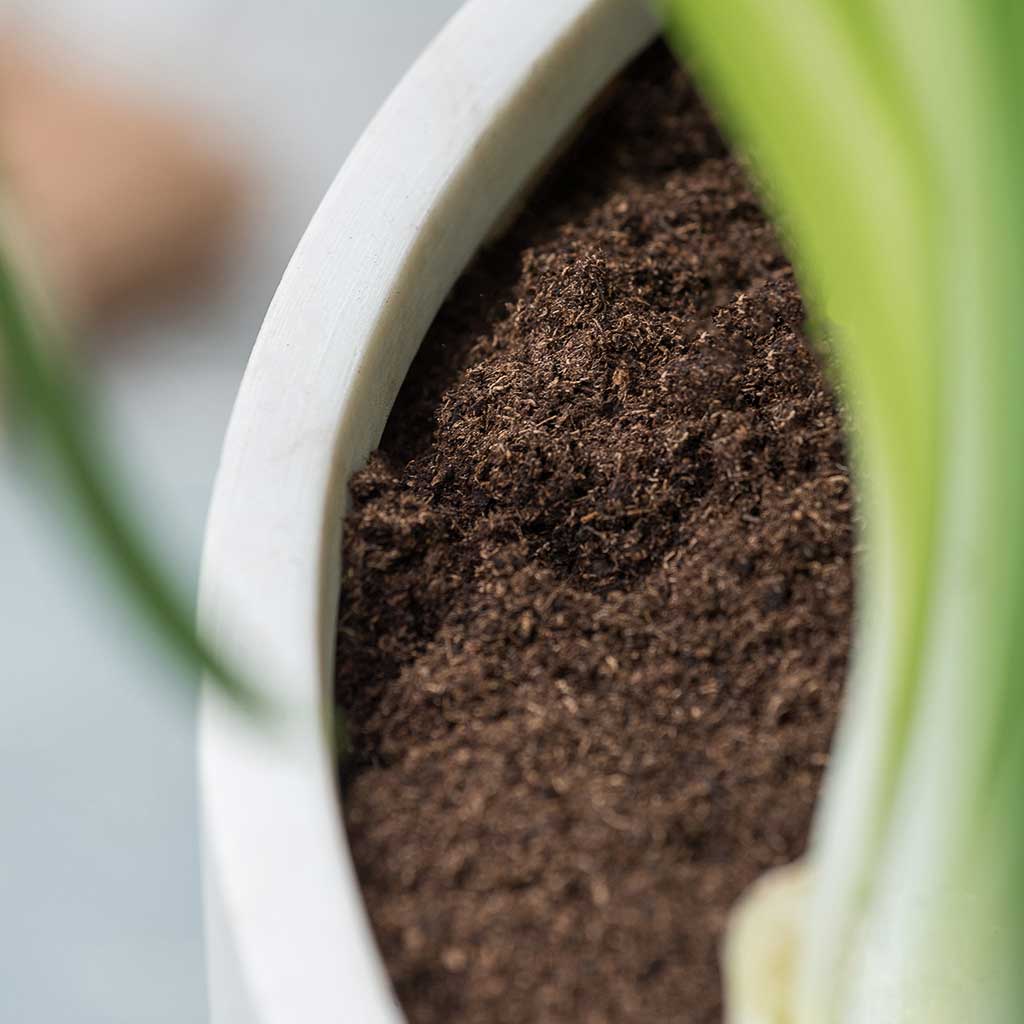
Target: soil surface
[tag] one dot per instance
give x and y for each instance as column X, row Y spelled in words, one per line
column 597, row 593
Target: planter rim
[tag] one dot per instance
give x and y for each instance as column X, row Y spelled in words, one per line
column 464, row 133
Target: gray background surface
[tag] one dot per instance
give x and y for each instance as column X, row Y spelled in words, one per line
column 99, row 880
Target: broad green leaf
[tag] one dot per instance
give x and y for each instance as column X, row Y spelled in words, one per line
column 886, row 135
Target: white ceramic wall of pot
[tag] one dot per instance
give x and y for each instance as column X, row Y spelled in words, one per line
column 468, row 129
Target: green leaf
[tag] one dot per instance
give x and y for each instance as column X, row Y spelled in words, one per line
column 51, row 410
column 886, row 133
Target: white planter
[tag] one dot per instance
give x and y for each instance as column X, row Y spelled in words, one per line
column 464, row 133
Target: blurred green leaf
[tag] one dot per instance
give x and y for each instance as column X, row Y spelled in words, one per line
column 50, row 412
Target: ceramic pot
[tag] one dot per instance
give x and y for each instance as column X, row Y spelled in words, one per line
column 468, row 129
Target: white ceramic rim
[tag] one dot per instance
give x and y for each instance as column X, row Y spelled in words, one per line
column 464, row 133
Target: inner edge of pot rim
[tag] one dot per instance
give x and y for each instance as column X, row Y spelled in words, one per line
column 466, row 130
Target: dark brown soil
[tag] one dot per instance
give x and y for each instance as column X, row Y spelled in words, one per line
column 597, row 593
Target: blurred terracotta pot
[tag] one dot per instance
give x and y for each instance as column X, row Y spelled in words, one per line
column 119, row 199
